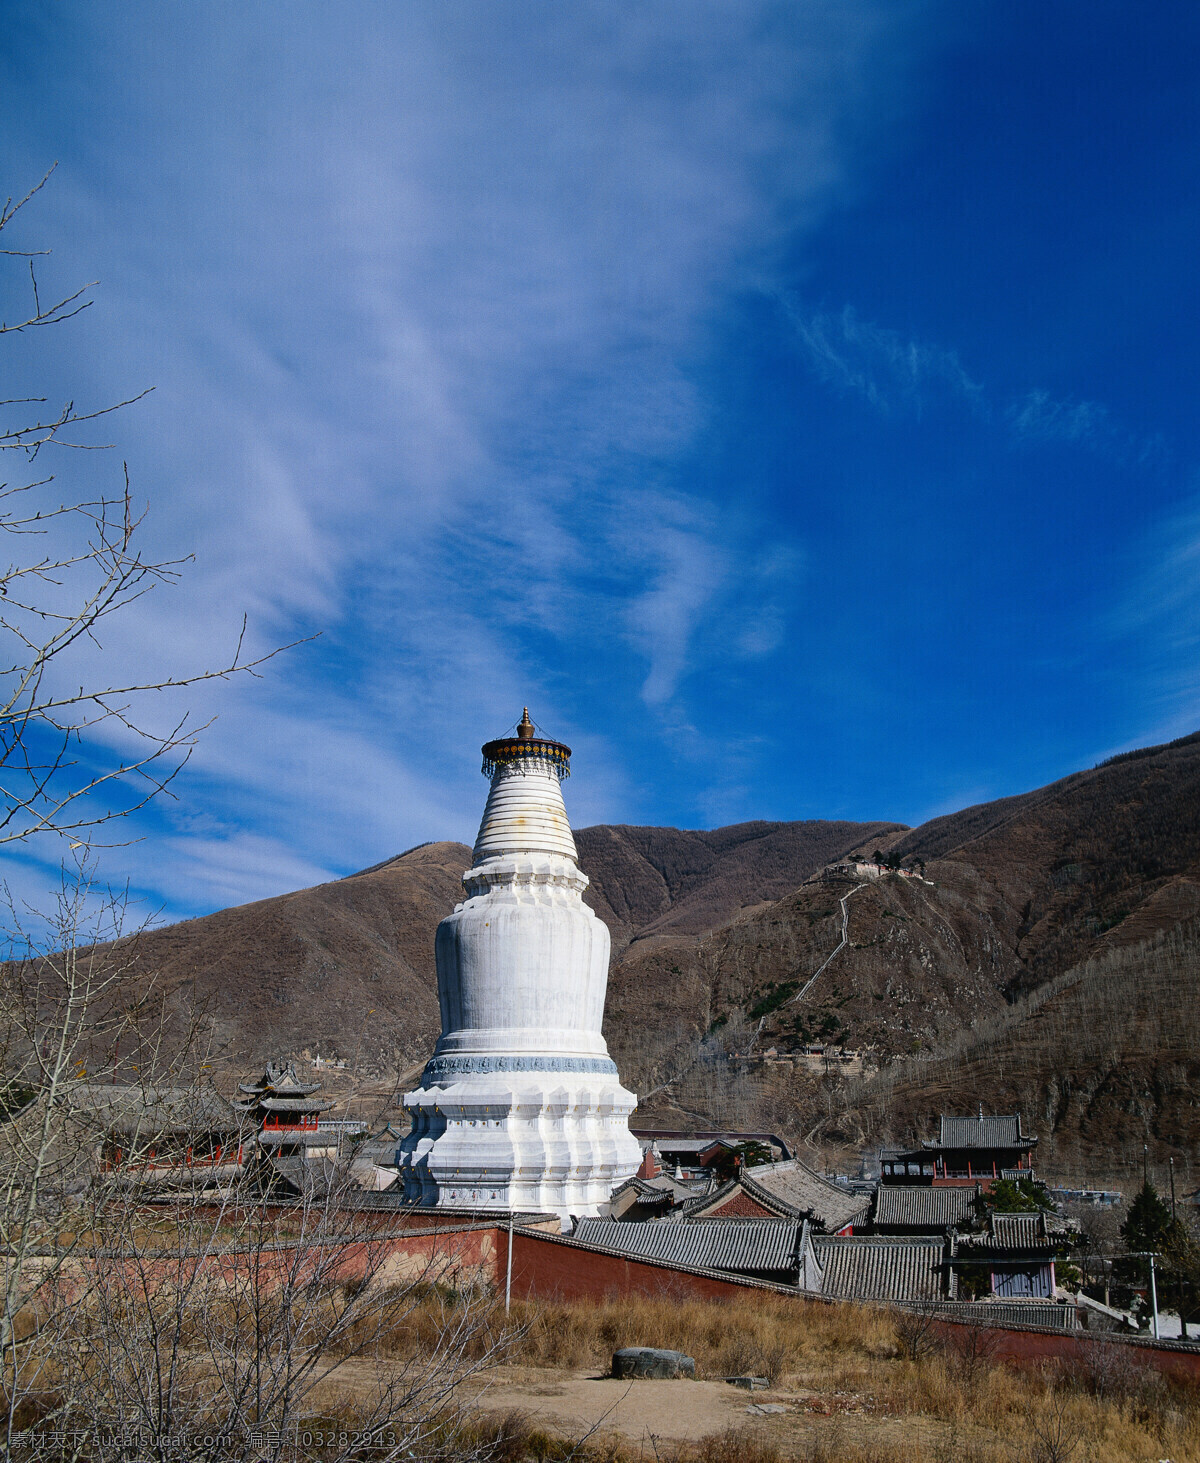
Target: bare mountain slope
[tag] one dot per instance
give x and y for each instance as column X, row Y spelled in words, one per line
column 716, row 935
column 1099, row 1060
column 672, row 881
column 1078, row 858
column 1018, row 894
column 347, row 967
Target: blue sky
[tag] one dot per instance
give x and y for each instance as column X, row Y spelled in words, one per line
column 794, row 404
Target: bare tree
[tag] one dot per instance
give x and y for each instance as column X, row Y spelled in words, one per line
column 236, row 1327
column 159, row 1293
column 74, row 1006
column 76, row 562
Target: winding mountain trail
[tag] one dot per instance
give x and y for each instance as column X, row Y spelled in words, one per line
column 841, row 945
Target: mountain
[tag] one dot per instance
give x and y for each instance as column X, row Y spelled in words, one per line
column 940, row 979
column 1100, row 1060
column 1011, row 968
column 662, row 882
column 347, row 968
column 343, row 969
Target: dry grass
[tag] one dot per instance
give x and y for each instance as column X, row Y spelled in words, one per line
column 765, row 1334
column 856, row 1388
column 858, row 1398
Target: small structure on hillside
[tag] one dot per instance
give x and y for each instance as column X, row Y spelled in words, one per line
column 859, row 869
column 966, row 1152
column 286, row 1113
column 1106, row 1198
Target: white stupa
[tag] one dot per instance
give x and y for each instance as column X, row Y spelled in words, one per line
column 520, row 1106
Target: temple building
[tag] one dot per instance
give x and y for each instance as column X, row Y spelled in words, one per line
column 159, row 1137
column 967, row 1152
column 520, row 1107
column 287, row 1114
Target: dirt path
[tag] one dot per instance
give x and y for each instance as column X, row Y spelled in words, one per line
column 573, row 1402
column 570, row 1403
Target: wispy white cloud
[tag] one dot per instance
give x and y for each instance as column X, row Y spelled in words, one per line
column 892, row 372
column 424, row 299
column 904, row 376
column 1038, row 417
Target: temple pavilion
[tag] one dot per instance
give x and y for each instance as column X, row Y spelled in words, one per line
column 287, row 1114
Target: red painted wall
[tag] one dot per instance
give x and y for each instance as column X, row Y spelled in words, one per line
column 1036, row 1348
column 564, row 1270
column 557, row 1269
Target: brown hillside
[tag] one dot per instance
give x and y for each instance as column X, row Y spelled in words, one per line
column 1018, row 893
column 716, row 933
column 1078, row 858
column 672, row 881
column 1100, row 1061
column 347, row 968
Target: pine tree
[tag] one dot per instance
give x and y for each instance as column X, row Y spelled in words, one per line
column 1149, row 1221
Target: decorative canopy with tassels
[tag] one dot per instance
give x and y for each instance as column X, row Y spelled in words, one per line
column 526, row 748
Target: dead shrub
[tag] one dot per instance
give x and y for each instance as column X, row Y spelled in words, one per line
column 734, row 1445
column 1055, row 1435
column 971, row 1348
column 918, row 1335
column 1113, row 1372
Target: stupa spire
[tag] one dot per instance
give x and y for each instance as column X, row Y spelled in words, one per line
column 524, row 811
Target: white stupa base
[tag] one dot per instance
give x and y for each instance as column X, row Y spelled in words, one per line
column 551, row 1141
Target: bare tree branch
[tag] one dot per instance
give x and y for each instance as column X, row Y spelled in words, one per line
column 55, row 776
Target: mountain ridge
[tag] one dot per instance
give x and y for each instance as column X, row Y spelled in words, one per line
column 716, row 932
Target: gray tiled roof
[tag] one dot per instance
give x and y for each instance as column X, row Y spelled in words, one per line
column 981, row 1132
column 1011, row 1312
column 742, row 1246
column 150, row 1111
column 1018, row 1229
column 291, row 1104
column 921, row 1208
column 799, row 1190
column 280, row 1078
column 1012, row 1232
column 665, row 1184
column 689, row 1145
column 877, row 1267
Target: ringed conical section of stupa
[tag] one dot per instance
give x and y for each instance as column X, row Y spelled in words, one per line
column 520, row 1107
